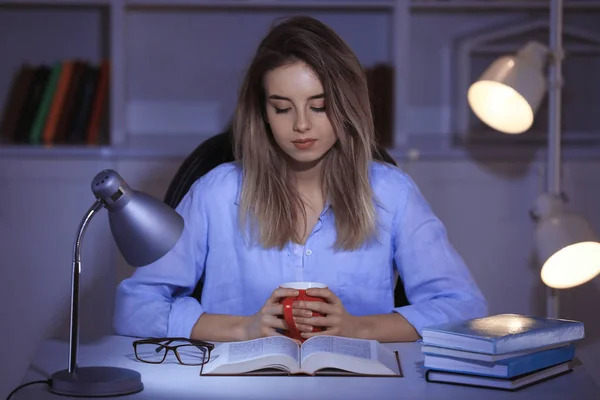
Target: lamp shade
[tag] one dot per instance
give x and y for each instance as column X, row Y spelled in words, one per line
column 144, row 228
column 508, row 94
column 566, row 244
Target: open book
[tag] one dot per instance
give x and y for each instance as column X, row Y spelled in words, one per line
column 319, row 355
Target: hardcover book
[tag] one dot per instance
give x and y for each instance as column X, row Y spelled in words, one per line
column 508, row 368
column 489, row 358
column 503, row 333
column 319, row 355
column 515, row 383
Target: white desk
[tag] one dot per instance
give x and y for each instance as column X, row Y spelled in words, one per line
column 173, row 381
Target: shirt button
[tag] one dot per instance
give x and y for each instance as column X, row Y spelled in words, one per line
column 308, row 252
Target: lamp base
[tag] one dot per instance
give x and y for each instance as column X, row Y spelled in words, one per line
column 96, row 382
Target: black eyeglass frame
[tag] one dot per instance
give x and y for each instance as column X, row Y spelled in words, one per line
column 159, row 342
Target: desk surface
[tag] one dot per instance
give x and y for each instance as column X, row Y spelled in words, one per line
column 173, row 381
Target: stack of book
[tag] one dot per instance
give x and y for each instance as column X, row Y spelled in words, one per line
column 504, row 351
column 62, row 103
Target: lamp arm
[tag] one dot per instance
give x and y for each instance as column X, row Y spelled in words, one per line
column 553, row 159
column 555, row 82
column 74, row 323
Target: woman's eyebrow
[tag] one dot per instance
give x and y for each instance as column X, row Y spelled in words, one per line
column 278, row 97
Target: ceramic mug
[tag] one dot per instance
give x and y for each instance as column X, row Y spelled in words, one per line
column 287, row 302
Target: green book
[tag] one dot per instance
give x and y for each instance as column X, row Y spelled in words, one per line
column 37, row 128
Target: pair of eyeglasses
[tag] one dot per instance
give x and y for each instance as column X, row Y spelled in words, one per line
column 187, row 351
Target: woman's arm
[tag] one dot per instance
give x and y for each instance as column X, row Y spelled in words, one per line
column 436, row 280
column 156, row 300
column 384, row 328
column 229, row 328
column 220, row 328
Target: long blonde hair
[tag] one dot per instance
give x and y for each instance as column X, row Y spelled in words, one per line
column 269, row 200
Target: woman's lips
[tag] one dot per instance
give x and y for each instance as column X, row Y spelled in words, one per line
column 304, row 144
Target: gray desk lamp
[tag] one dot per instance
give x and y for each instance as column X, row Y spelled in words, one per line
column 506, row 97
column 144, row 229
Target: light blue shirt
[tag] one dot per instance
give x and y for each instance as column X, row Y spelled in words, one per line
column 156, row 300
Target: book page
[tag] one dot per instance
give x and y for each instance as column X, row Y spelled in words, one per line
column 337, row 345
column 352, row 355
column 270, row 352
column 243, row 351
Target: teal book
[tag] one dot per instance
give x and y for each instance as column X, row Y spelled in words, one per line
column 503, row 333
column 507, row 368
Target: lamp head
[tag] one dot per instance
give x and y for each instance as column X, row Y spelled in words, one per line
column 508, row 94
column 144, row 228
column 566, row 244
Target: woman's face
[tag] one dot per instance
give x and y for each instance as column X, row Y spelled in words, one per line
column 295, row 107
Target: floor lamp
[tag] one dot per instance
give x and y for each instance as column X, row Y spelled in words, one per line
column 506, row 98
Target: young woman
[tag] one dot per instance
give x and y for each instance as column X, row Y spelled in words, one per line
column 304, row 202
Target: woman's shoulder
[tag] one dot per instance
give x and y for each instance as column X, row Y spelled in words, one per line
column 392, row 187
column 388, row 178
column 221, row 181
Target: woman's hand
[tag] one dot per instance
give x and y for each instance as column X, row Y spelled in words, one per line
column 335, row 320
column 270, row 317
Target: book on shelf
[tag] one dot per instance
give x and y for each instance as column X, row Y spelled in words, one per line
column 507, row 368
column 503, row 333
column 319, row 355
column 62, row 103
column 15, row 101
column 511, row 384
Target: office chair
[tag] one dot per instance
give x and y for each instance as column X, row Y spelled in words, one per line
column 218, row 150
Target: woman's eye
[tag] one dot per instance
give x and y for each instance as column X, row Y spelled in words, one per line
column 318, row 109
column 281, row 110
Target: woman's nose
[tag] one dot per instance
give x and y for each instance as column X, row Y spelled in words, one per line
column 302, row 124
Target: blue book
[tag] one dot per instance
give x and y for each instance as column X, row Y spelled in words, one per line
column 468, row 355
column 512, row 384
column 503, row 333
column 507, row 368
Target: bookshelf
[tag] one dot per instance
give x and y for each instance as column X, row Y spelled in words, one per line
column 176, row 64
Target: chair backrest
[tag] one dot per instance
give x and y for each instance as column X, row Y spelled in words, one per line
column 211, row 153
column 218, row 150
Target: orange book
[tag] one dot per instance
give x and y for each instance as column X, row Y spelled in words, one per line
column 67, row 113
column 57, row 102
column 99, row 105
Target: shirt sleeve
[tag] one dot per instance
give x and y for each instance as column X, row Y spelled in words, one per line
column 156, row 300
column 438, row 284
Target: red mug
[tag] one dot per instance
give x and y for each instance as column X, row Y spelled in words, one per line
column 287, row 302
